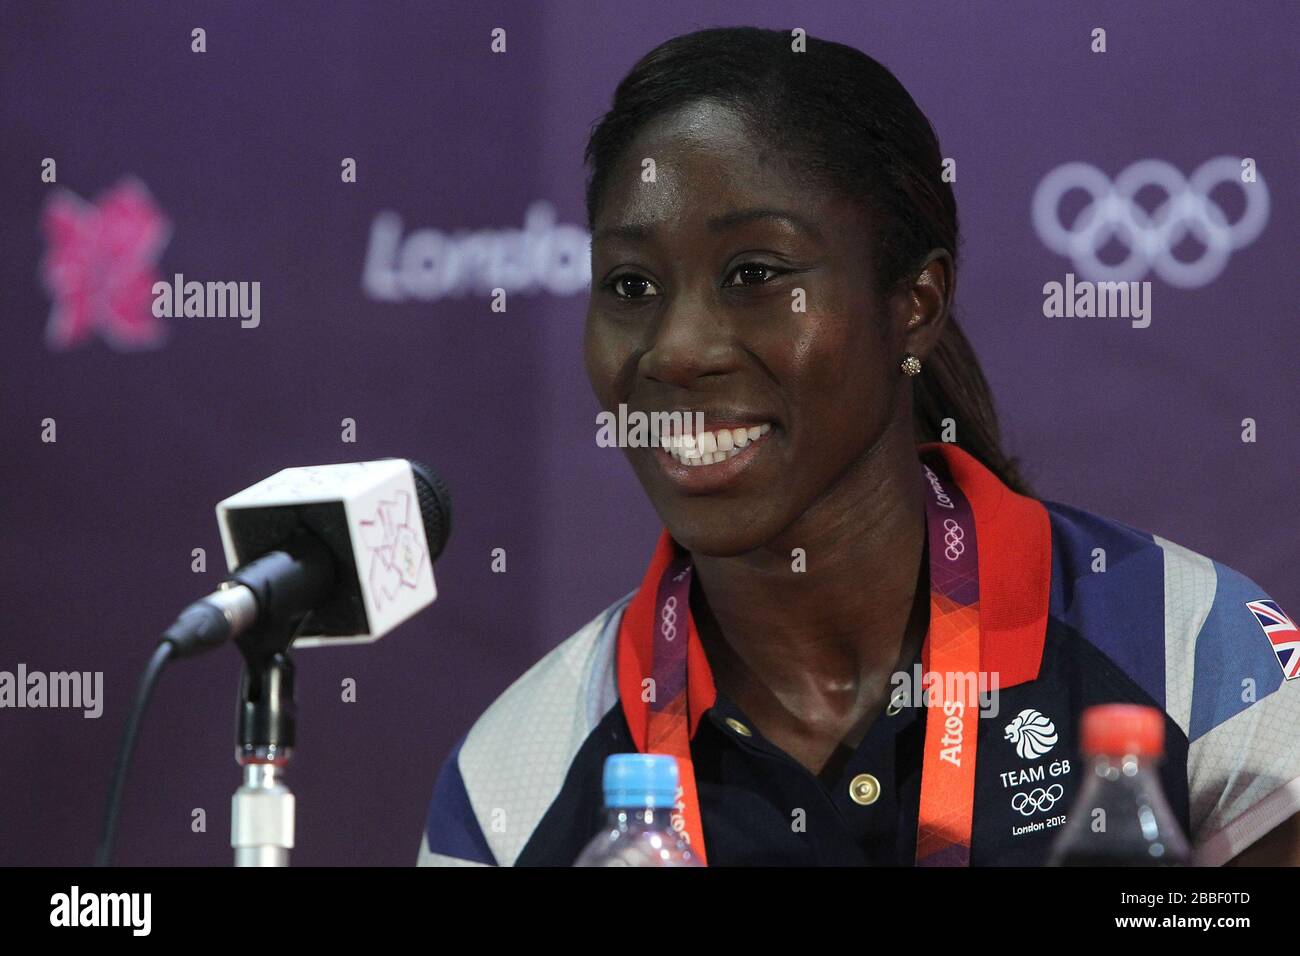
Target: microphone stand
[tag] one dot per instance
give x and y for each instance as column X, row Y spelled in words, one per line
column 262, row 809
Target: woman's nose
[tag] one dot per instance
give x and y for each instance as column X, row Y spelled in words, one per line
column 692, row 338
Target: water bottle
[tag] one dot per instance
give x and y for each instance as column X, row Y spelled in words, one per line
column 640, row 790
column 1121, row 817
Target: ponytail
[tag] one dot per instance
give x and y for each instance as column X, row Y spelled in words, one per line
column 950, row 394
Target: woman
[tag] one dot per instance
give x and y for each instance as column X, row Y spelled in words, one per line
column 774, row 248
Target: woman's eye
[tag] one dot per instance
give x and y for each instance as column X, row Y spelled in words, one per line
column 629, row 285
column 753, row 273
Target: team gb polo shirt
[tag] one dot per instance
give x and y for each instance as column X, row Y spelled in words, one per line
column 1156, row 624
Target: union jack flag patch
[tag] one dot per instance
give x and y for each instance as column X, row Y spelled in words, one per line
column 1283, row 634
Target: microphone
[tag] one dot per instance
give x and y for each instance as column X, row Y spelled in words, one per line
column 318, row 555
column 342, row 554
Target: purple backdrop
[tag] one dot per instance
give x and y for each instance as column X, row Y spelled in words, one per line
column 240, row 148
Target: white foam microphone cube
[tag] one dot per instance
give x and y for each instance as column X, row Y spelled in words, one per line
column 368, row 513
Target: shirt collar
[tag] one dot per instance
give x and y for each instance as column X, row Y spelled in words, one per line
column 1015, row 569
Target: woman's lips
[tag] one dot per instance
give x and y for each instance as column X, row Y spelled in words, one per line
column 712, row 460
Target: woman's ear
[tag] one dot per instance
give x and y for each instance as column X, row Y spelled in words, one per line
column 924, row 304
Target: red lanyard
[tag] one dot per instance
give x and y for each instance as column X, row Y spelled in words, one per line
column 951, row 660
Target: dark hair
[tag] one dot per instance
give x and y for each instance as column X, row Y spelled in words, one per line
column 851, row 125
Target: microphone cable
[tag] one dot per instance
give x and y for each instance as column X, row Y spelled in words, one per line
column 161, row 655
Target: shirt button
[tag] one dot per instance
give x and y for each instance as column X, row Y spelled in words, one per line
column 864, row 789
column 738, row 727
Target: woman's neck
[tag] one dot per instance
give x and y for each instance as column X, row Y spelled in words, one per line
column 820, row 645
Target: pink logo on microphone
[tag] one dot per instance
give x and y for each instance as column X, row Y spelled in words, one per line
column 397, row 552
column 100, row 267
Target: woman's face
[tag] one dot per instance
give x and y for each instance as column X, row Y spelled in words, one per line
column 731, row 285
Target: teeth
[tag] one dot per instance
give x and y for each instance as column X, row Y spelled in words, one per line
column 708, row 448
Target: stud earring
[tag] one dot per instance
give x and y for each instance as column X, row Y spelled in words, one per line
column 911, row 365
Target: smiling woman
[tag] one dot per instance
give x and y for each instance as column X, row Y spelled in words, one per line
column 774, row 249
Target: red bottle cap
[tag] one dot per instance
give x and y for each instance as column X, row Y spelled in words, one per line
column 1120, row 729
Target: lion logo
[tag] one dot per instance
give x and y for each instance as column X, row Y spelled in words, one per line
column 1032, row 733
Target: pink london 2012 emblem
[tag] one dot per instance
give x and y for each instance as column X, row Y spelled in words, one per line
column 101, row 265
column 396, row 551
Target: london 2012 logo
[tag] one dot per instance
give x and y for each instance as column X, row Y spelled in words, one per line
column 1188, row 209
column 397, row 552
column 100, row 267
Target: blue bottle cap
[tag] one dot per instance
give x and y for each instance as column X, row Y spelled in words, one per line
column 640, row 780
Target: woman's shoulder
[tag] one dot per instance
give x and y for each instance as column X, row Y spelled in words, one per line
column 494, row 788
column 571, row 685
column 1205, row 642
column 1094, row 554
column 1166, row 613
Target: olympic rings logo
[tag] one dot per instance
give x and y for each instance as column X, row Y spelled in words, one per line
column 1037, row 799
column 953, row 539
column 1150, row 237
column 668, row 618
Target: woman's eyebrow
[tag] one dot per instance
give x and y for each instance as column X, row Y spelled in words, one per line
column 742, row 216
column 632, row 232
column 637, row 232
